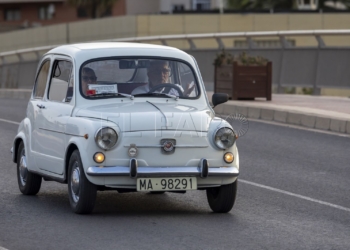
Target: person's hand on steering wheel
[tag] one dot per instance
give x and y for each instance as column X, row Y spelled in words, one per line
column 167, row 85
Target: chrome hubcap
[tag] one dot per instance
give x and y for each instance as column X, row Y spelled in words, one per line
column 23, row 170
column 74, row 182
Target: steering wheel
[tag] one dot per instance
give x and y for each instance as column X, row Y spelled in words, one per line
column 167, row 85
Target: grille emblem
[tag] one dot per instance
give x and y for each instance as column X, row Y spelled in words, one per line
column 168, row 146
column 132, row 151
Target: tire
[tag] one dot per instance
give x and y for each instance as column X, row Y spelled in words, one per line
column 28, row 183
column 82, row 193
column 221, row 199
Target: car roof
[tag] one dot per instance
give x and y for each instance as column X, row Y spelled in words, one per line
column 117, row 48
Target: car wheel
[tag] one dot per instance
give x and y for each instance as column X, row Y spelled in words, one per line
column 82, row 193
column 28, row 183
column 221, row 199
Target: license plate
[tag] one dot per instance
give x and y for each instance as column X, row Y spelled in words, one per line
column 166, row 184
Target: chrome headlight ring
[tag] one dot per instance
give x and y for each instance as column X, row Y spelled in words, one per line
column 224, row 138
column 106, row 138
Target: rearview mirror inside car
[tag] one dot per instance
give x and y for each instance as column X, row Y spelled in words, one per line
column 133, row 64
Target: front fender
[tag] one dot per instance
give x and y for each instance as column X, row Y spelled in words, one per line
column 80, row 134
column 23, row 134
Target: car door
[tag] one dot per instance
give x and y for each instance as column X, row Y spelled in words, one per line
column 33, row 109
column 54, row 111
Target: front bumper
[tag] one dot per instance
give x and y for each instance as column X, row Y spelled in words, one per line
column 203, row 171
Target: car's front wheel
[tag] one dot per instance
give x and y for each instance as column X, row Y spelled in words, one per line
column 221, row 199
column 82, row 193
column 28, row 183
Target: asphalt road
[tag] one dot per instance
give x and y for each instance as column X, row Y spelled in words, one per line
column 293, row 194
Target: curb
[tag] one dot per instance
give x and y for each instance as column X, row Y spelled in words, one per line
column 303, row 117
column 15, row 93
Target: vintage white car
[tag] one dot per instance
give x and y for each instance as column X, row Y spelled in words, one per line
column 126, row 117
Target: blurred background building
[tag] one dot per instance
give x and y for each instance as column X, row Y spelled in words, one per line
column 19, row 14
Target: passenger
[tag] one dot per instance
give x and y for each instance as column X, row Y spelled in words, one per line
column 87, row 77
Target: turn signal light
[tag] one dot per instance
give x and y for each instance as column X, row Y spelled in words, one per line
column 99, row 157
column 228, row 157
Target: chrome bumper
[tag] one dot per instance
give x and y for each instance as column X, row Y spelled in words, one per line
column 203, row 171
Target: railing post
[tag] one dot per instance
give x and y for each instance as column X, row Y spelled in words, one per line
column 3, row 63
column 220, row 43
column 251, row 43
column 192, row 44
column 37, row 55
column 164, row 42
column 321, row 45
column 284, row 44
column 20, row 61
column 67, row 34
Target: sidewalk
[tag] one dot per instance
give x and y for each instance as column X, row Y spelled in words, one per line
column 318, row 112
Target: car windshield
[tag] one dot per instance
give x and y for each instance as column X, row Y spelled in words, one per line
column 110, row 78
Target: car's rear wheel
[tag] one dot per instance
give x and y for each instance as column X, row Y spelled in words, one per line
column 221, row 199
column 28, row 183
column 82, row 193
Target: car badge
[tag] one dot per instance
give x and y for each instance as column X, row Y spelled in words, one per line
column 168, row 146
column 132, row 151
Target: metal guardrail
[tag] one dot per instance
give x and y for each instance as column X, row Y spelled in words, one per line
column 284, row 60
column 190, row 37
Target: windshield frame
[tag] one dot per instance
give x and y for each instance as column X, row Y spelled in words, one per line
column 197, row 83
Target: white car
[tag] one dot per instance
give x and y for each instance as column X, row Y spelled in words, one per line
column 126, row 117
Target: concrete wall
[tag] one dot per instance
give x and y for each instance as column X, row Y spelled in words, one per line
column 149, row 25
column 104, row 28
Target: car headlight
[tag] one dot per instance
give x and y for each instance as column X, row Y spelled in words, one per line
column 224, row 138
column 106, row 138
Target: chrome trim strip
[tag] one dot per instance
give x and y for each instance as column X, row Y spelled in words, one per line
column 176, row 146
column 161, row 171
column 60, row 132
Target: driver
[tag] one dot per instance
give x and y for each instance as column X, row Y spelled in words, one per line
column 158, row 72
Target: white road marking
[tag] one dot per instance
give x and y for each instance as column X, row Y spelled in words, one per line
column 295, row 195
column 300, row 127
column 1, row 248
column 13, row 122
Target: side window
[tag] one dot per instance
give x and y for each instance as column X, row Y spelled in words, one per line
column 61, row 81
column 41, row 80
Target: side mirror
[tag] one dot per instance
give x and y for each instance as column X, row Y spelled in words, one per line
column 219, row 98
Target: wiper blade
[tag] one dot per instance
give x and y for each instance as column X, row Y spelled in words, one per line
column 155, row 93
column 127, row 95
column 114, row 94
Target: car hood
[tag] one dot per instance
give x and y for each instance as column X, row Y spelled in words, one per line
column 151, row 116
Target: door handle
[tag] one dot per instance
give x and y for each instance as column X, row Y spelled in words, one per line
column 40, row 106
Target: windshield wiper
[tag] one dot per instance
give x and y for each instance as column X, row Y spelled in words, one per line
column 114, row 94
column 155, row 93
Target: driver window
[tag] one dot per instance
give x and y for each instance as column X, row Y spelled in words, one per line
column 59, row 90
column 41, row 80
